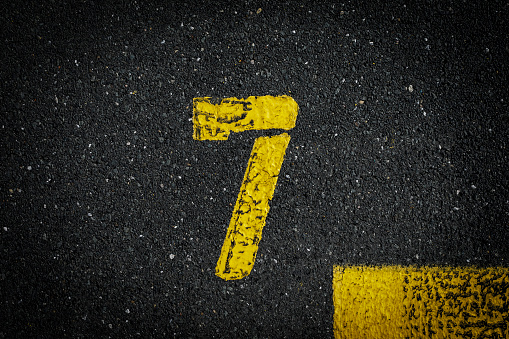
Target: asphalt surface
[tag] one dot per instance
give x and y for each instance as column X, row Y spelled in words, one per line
column 113, row 217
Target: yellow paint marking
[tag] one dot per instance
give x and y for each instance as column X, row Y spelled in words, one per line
column 245, row 230
column 420, row 302
column 214, row 119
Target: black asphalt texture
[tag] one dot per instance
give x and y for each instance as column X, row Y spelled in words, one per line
column 113, row 217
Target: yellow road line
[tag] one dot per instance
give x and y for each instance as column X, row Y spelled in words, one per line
column 420, row 302
column 214, row 119
column 245, row 230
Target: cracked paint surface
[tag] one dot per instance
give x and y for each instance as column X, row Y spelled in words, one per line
column 214, row 119
column 245, row 230
column 420, row 302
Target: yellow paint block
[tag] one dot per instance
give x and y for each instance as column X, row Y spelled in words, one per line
column 420, row 302
column 245, row 230
column 214, row 119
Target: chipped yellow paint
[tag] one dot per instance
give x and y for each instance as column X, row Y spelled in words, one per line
column 214, row 119
column 245, row 230
column 420, row 302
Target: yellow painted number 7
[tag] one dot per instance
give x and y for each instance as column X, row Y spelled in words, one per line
column 214, row 119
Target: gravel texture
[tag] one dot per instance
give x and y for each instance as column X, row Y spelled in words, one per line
column 113, row 217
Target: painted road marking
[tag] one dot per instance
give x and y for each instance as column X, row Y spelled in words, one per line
column 245, row 230
column 425, row 302
column 214, row 119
